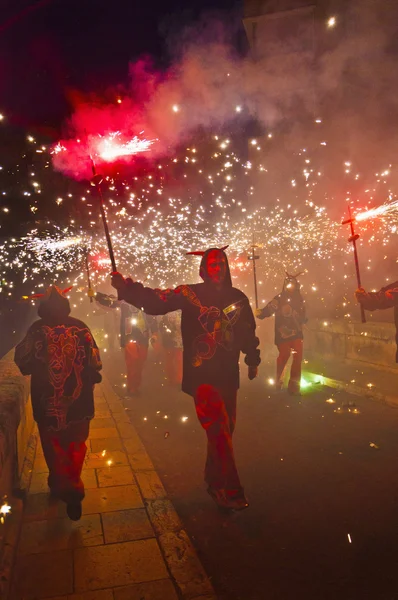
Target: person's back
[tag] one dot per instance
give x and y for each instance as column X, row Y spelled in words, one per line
column 62, row 357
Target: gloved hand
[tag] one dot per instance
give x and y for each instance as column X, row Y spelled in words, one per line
column 252, row 372
column 258, row 312
column 117, row 281
column 360, row 294
column 91, row 293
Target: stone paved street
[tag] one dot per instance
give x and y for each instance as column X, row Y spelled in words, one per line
column 129, row 543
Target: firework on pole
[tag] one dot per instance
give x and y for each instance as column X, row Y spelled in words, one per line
column 253, row 257
column 353, row 239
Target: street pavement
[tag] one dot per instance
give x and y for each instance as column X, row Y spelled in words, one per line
column 322, row 481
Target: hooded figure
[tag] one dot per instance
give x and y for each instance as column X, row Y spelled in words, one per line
column 290, row 316
column 134, row 338
column 217, row 324
column 387, row 297
column 62, row 357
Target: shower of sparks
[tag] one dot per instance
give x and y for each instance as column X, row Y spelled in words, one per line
column 387, row 209
column 201, row 196
column 110, row 147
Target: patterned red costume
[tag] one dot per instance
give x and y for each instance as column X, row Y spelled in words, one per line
column 217, row 324
column 62, row 357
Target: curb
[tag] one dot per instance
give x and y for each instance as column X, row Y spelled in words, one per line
column 351, row 388
column 178, row 552
column 14, row 523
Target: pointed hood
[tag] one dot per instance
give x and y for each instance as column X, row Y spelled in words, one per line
column 54, row 305
column 203, row 265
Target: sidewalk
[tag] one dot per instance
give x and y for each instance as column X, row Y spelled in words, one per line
column 129, row 543
column 355, row 377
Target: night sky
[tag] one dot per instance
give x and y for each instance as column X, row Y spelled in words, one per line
column 53, row 50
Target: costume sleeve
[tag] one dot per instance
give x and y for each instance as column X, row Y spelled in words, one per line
column 24, row 353
column 249, row 340
column 153, row 302
column 387, row 297
column 95, row 363
column 270, row 309
column 302, row 313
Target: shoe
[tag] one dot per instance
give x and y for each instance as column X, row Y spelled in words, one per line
column 219, row 497
column 74, row 510
column 237, row 500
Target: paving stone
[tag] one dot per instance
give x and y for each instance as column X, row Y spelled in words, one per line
column 41, row 506
column 102, row 414
column 121, row 497
column 98, row 423
column 127, row 430
column 126, row 525
column 163, row 515
column 97, row 595
column 43, row 575
column 122, row 417
column 133, row 444
column 60, row 534
column 118, row 564
column 184, row 565
column 103, row 432
column 150, row 485
column 153, row 590
column 140, row 461
column 107, row 444
column 89, row 478
column 95, row 460
column 111, row 475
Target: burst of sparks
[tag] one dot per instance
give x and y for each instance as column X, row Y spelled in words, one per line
column 110, row 147
column 388, row 208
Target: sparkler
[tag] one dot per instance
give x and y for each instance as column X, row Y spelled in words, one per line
column 353, row 238
column 96, row 182
column 86, row 257
column 253, row 257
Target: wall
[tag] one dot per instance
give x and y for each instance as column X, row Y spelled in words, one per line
column 16, row 423
column 372, row 343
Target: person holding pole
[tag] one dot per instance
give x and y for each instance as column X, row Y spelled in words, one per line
column 387, row 297
column 290, row 316
column 217, row 325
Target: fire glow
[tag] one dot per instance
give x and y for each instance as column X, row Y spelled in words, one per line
column 110, row 147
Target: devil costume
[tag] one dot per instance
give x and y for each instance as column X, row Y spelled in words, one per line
column 217, row 324
column 387, row 297
column 134, row 338
column 60, row 354
column 289, row 310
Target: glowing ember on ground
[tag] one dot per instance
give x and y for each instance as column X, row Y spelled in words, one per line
column 5, row 509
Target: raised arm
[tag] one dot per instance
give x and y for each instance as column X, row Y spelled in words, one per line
column 387, row 297
column 153, row 302
column 268, row 310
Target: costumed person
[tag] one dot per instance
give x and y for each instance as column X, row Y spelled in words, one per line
column 134, row 336
column 217, row 325
column 290, row 316
column 171, row 340
column 61, row 355
column 387, row 297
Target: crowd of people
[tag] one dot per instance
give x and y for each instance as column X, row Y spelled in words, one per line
column 199, row 329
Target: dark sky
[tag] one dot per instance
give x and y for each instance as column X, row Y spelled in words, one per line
column 52, row 49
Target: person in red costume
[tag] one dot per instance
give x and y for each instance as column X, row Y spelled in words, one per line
column 61, row 355
column 387, row 297
column 290, row 316
column 217, row 324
